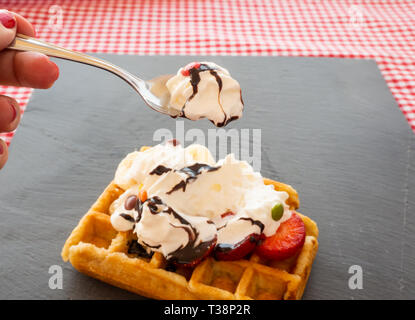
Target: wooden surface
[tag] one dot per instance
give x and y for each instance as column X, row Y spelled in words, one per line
column 330, row 128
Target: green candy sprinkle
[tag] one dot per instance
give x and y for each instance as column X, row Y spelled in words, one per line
column 277, row 211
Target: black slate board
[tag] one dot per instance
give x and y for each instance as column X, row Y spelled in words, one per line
column 330, row 127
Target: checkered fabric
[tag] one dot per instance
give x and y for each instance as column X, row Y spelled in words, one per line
column 379, row 30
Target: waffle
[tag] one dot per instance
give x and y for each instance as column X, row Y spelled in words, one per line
column 96, row 249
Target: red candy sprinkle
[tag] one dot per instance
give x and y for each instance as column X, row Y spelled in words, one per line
column 174, row 142
column 192, row 65
column 227, row 213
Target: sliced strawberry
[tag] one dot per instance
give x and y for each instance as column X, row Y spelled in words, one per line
column 286, row 242
column 187, row 68
column 230, row 252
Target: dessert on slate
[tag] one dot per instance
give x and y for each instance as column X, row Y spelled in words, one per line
column 205, row 90
column 175, row 224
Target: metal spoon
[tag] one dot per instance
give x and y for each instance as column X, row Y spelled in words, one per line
column 154, row 92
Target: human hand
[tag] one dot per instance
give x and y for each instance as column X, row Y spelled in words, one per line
column 23, row 69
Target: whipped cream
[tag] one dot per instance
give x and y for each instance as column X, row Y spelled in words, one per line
column 205, row 90
column 178, row 235
column 193, row 200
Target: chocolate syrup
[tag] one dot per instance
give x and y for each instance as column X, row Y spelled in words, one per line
column 159, row 170
column 226, row 121
column 184, row 254
column 189, row 232
column 195, row 78
column 194, row 81
column 152, row 247
column 192, row 172
column 189, row 253
column 153, row 208
column 227, row 247
column 153, row 204
column 240, row 94
column 218, row 79
column 139, row 209
column 254, row 237
column 170, row 267
column 135, row 248
column 127, row 217
column 256, row 222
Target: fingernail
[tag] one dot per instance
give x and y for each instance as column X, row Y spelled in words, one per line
column 56, row 69
column 7, row 19
column 14, row 112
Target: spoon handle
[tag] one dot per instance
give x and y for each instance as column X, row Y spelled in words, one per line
column 25, row 43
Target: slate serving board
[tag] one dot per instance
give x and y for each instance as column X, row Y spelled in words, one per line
column 330, row 127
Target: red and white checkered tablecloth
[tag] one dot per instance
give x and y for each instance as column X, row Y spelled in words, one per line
column 379, row 30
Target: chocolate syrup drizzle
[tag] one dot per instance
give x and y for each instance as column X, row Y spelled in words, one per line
column 218, row 79
column 256, row 222
column 135, row 248
column 152, row 247
column 160, row 170
column 226, row 121
column 226, row 247
column 127, row 217
column 194, row 81
column 189, row 253
column 184, row 254
column 192, row 172
column 195, row 78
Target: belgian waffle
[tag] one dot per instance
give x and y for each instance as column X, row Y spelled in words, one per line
column 95, row 248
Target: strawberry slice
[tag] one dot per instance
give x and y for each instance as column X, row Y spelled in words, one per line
column 286, row 242
column 187, row 68
column 230, row 252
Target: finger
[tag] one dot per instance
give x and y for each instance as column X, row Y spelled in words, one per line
column 9, row 114
column 27, row 69
column 24, row 26
column 4, row 154
column 7, row 28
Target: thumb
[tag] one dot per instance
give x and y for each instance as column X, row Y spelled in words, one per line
column 7, row 28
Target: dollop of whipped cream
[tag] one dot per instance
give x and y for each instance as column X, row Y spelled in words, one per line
column 205, row 90
column 192, row 201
